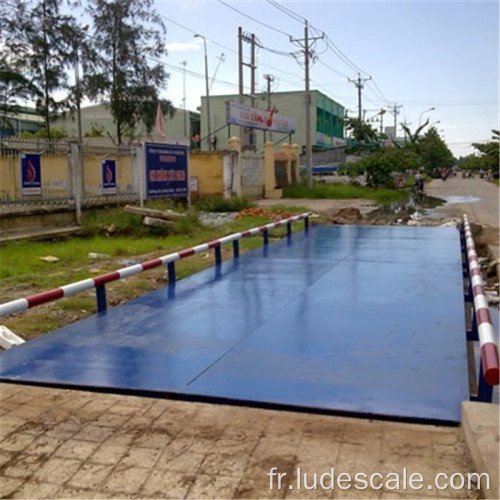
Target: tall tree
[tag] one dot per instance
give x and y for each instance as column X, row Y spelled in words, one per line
column 14, row 84
column 129, row 38
column 48, row 39
column 490, row 152
column 434, row 152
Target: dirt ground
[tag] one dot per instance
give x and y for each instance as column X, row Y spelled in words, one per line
column 364, row 206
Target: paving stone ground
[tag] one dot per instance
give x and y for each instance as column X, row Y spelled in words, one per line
column 57, row 443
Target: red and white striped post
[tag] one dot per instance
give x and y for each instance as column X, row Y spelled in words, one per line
column 99, row 282
column 489, row 370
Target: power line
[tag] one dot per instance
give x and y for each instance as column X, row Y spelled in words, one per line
column 229, row 49
column 330, row 44
column 286, row 11
column 332, row 69
column 254, row 19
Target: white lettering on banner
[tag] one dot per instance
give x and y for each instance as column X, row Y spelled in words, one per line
column 238, row 114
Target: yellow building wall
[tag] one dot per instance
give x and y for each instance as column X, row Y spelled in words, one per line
column 207, row 168
column 55, row 178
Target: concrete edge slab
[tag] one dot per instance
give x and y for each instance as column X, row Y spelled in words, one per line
column 480, row 424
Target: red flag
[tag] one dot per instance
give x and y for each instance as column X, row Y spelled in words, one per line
column 159, row 120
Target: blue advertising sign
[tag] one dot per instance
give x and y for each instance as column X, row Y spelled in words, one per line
column 166, row 171
column 108, row 177
column 31, row 176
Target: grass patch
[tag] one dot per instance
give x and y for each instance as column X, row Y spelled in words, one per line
column 22, row 272
column 345, row 191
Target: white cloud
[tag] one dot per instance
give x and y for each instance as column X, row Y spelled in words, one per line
column 183, row 46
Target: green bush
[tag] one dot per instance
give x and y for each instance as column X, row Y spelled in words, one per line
column 220, row 204
column 380, row 166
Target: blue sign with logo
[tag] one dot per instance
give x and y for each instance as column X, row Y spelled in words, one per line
column 166, row 171
column 108, row 177
column 31, row 175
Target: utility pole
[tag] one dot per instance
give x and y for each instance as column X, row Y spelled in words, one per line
column 382, row 113
column 240, row 64
column 184, row 96
column 270, row 79
column 360, row 83
column 308, row 53
column 243, row 37
column 395, row 111
column 252, row 72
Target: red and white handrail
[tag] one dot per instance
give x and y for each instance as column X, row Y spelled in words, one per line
column 15, row 306
column 486, row 330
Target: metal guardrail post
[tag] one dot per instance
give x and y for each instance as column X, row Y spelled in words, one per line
column 171, row 272
column 265, row 234
column 100, row 293
column 482, row 325
column 236, row 249
column 484, row 390
column 218, row 255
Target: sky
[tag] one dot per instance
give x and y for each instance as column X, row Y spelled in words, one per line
column 420, row 54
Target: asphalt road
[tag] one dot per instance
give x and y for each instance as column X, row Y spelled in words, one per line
column 477, row 198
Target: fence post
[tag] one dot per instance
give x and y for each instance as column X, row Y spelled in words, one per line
column 76, row 177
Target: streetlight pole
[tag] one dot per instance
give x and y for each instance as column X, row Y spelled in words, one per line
column 421, row 114
column 184, row 96
column 209, row 137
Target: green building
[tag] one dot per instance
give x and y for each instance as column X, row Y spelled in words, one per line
column 327, row 119
column 97, row 119
column 24, row 119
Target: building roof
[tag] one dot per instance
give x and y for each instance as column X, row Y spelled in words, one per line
column 284, row 92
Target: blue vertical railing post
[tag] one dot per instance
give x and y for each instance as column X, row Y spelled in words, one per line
column 236, row 249
column 306, row 223
column 289, row 229
column 100, row 294
column 484, row 390
column 473, row 333
column 465, row 259
column 265, row 233
column 218, row 255
column 171, row 272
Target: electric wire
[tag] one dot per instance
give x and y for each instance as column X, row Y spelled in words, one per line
column 254, row 19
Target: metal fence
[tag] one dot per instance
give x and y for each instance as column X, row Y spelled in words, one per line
column 70, row 175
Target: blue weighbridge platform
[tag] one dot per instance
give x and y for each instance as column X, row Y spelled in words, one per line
column 352, row 319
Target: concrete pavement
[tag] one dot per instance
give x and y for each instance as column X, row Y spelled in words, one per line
column 57, row 443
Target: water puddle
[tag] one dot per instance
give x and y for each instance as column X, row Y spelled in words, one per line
column 409, row 208
column 451, row 200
